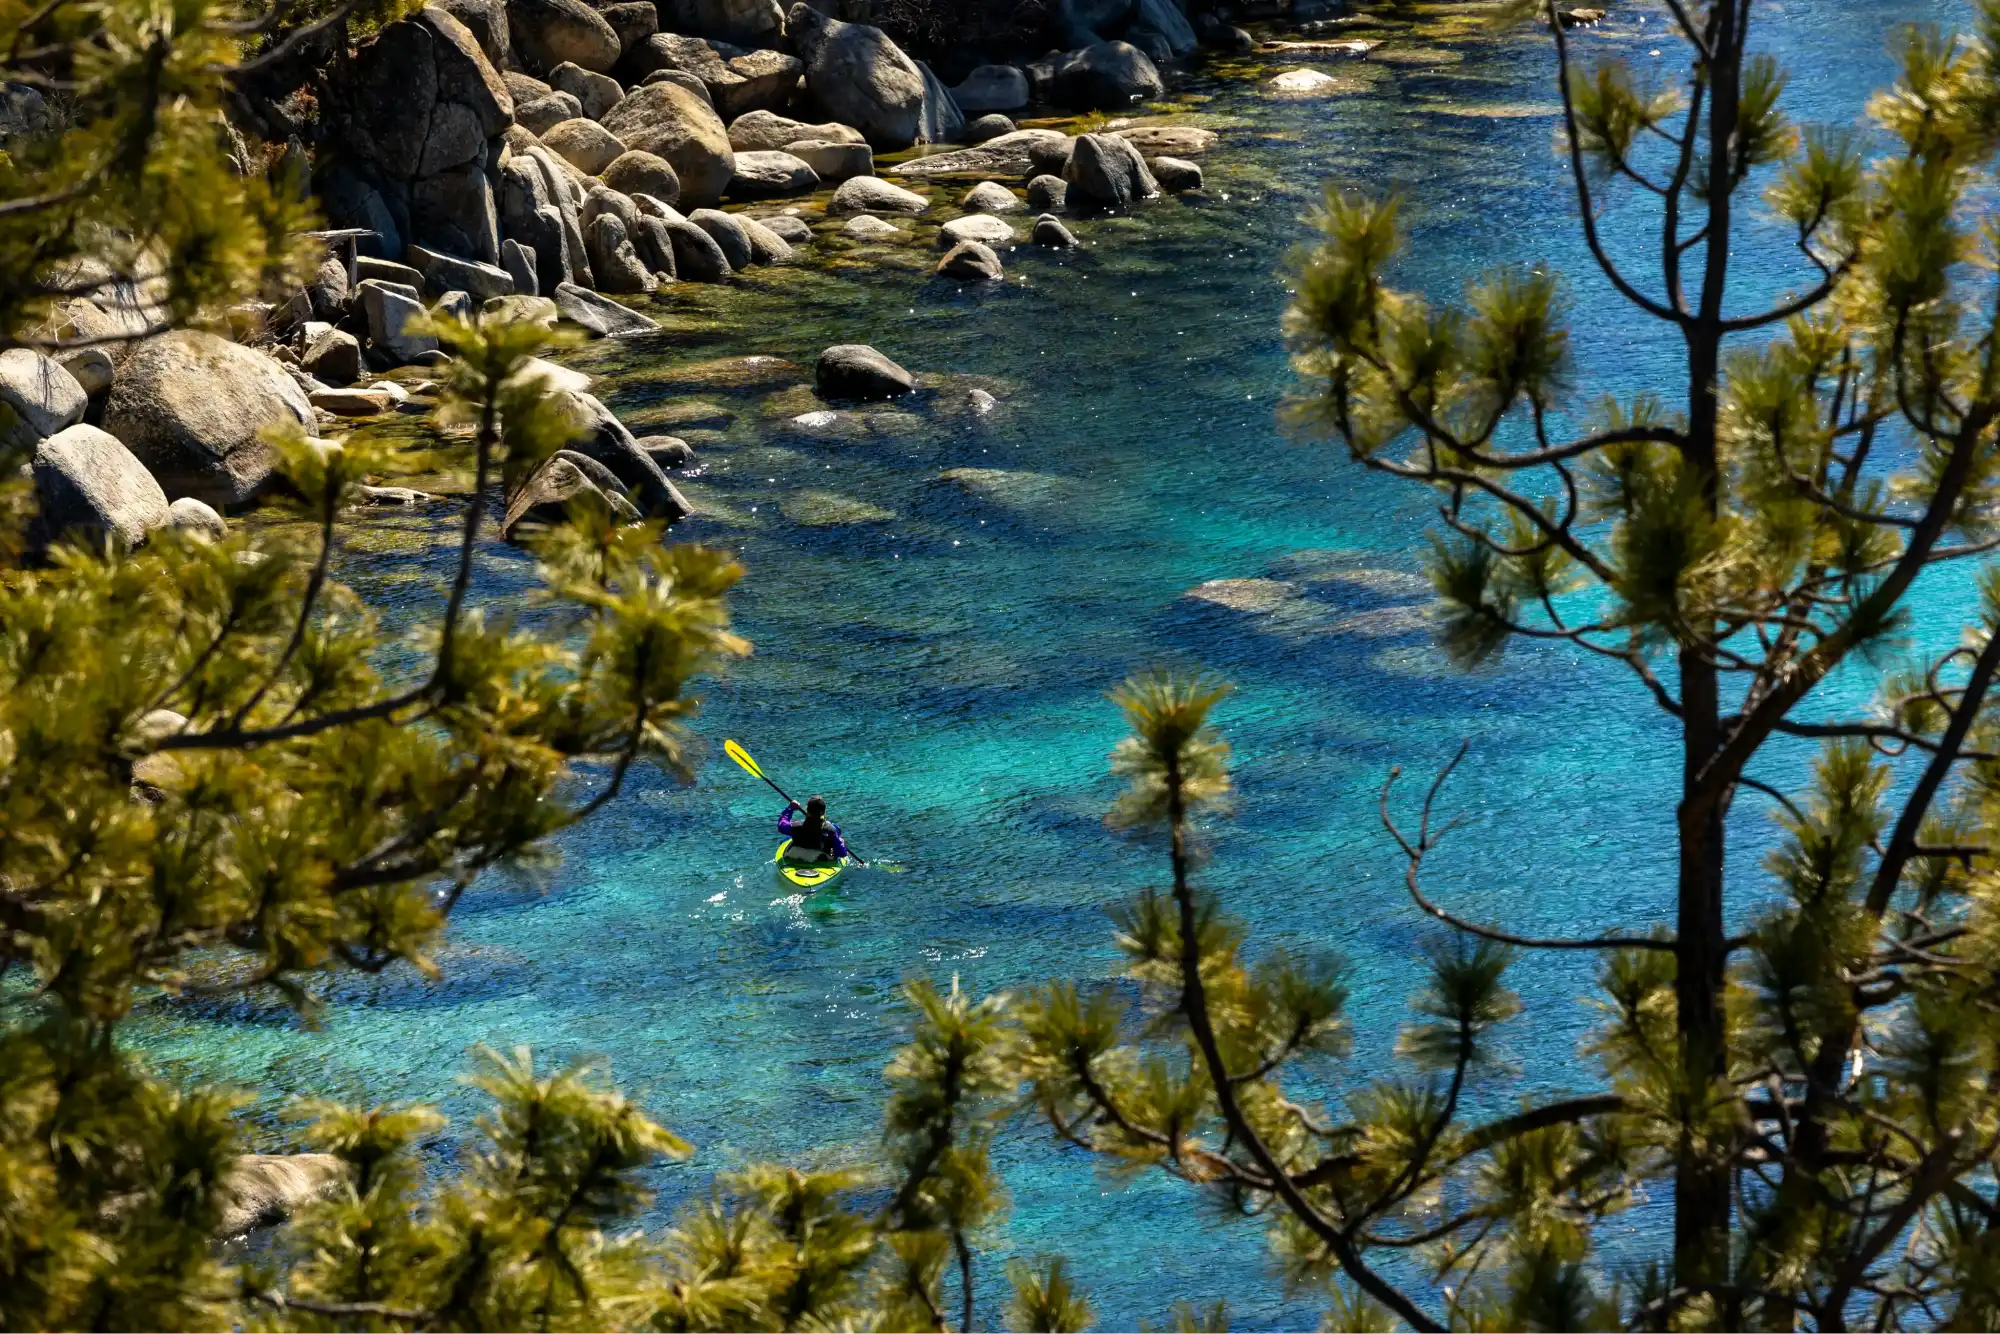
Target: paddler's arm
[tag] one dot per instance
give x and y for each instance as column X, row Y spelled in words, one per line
column 839, row 843
column 785, row 822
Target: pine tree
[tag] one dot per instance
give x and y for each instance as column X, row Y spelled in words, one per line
column 1815, row 1092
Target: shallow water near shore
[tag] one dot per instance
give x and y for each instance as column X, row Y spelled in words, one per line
column 933, row 655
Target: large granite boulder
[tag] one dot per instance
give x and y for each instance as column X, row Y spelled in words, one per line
column 943, row 121
column 697, row 256
column 1108, row 171
column 1008, row 155
column 736, row 81
column 596, row 433
column 448, row 273
column 486, row 20
column 424, row 97
column 766, row 175
column 266, row 1188
column 833, row 162
column 548, row 32
column 860, row 77
column 728, row 233
column 1160, row 24
column 89, row 487
column 42, row 396
column 670, row 122
column 190, row 406
column 599, row 315
column 556, row 490
column 635, row 173
column 764, row 131
column 870, row 194
column 970, row 261
column 613, row 257
column 584, row 144
column 550, row 109
column 857, row 371
column 1107, row 77
column 744, row 22
column 595, row 93
column 992, row 88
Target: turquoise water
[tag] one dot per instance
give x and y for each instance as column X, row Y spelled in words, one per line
column 939, row 672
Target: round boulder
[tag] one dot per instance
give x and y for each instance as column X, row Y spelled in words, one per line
column 764, row 130
column 987, row 127
column 190, row 406
column 584, row 144
column 668, row 121
column 970, row 261
column 868, row 194
column 546, row 33
column 1108, row 171
column 981, row 227
column 44, row 397
column 636, row 173
column 990, row 197
column 860, row 76
column 767, row 174
column 1176, row 174
column 90, row 487
column 1046, row 194
column 1108, row 76
column 857, row 371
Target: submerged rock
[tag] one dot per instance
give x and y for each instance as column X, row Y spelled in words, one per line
column 970, row 261
column 1177, row 140
column 1304, row 83
column 856, row 371
column 1050, row 234
column 826, row 509
column 869, row 228
column 265, row 1188
column 1176, row 175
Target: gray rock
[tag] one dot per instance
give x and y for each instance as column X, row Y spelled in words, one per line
column 456, row 305
column 791, row 230
column 393, row 90
column 449, row 273
column 524, row 87
column 334, row 356
column 520, row 262
column 613, row 258
column 399, row 497
column 556, row 490
column 1051, row 234
column 988, row 127
column 636, row 173
column 1081, row 20
column 1176, row 175
column 1048, row 156
column 546, row 33
column 391, row 309
column 595, row 93
column 191, row 406
column 668, row 121
column 970, row 261
column 981, row 227
column 757, row 81
column 1163, row 20
column 328, row 291
column 765, row 130
column 597, row 433
column 656, row 248
column 42, row 396
column 602, row 199
column 943, row 122
column 744, row 22
column 486, row 20
column 90, row 367
column 990, row 197
column 466, row 77
column 684, row 79
column 633, row 20
column 992, row 88
column 1175, row 140
column 1046, row 194
column 266, row 1188
column 453, row 211
column 584, row 144
column 668, row 451
column 857, row 371
column 387, row 271
column 861, row 77
column 1108, row 76
column 868, row 227
column 600, row 476
column 548, row 111
column 766, row 246
column 556, row 188
column 834, row 162
column 1009, row 155
column 728, row 234
column 697, row 257
column 89, row 487
column 531, row 309
column 1107, row 171
column 867, row 194
column 767, row 174
column 191, row 516
column 599, row 314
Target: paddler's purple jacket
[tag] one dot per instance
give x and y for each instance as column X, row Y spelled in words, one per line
column 791, row 818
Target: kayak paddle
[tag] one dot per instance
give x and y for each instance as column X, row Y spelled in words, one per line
column 749, row 766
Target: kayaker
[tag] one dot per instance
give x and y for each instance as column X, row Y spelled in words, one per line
column 814, row 837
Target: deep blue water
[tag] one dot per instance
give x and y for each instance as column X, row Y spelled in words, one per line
column 941, row 676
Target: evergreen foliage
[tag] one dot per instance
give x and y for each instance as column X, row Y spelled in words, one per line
column 218, row 771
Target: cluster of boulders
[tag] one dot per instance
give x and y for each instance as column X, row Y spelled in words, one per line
column 551, row 148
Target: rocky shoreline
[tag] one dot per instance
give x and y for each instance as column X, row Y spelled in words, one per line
column 571, row 165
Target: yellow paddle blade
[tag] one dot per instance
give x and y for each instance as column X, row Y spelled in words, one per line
column 742, row 757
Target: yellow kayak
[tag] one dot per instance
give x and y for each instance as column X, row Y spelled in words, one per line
column 807, row 875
